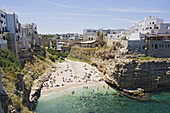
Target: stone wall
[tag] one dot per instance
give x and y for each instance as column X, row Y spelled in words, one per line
column 150, row 76
column 159, row 48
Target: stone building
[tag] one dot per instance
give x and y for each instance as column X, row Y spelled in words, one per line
column 3, row 30
column 158, row 45
column 30, row 35
column 90, row 34
column 65, row 49
column 151, row 45
column 14, row 28
column 70, row 36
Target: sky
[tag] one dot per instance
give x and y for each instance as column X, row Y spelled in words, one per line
column 63, row 16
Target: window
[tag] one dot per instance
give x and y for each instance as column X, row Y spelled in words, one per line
column 152, row 45
column 159, row 45
column 1, row 15
column 4, row 37
column 153, row 23
column 157, row 27
column 150, row 27
column 3, row 29
column 165, row 46
column 156, row 46
column 162, row 45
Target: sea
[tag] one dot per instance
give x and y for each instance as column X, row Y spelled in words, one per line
column 101, row 98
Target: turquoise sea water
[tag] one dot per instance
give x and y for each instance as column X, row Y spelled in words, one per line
column 99, row 99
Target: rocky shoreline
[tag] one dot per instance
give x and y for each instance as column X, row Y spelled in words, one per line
column 35, row 91
column 127, row 72
column 138, row 94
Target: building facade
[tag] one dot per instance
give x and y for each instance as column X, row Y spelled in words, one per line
column 3, row 30
column 14, row 28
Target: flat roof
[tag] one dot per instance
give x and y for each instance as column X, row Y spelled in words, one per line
column 155, row 35
column 2, row 10
column 90, row 41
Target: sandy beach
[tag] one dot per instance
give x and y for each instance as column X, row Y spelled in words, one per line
column 71, row 74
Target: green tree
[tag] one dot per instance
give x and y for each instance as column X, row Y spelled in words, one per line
column 123, row 38
column 98, row 33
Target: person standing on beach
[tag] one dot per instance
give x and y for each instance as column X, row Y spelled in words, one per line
column 63, row 79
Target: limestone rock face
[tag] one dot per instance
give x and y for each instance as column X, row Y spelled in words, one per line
column 31, row 96
column 150, row 76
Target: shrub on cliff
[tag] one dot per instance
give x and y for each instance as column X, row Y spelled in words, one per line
column 52, row 58
column 41, row 58
column 55, row 52
column 56, row 57
column 8, row 61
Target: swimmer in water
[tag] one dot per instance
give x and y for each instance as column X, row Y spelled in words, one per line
column 73, row 92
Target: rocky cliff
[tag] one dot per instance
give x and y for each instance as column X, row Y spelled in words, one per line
column 125, row 70
column 36, row 75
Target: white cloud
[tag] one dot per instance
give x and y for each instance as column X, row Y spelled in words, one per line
column 87, row 14
column 123, row 10
column 124, row 19
column 63, row 18
column 130, row 10
column 61, row 5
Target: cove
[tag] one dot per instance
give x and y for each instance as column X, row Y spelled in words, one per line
column 101, row 99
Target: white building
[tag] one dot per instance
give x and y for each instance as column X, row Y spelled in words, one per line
column 3, row 23
column 13, row 25
column 14, row 28
column 70, row 36
column 61, row 44
column 114, row 36
column 152, row 25
column 3, row 30
column 91, row 34
column 66, row 36
column 29, row 36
